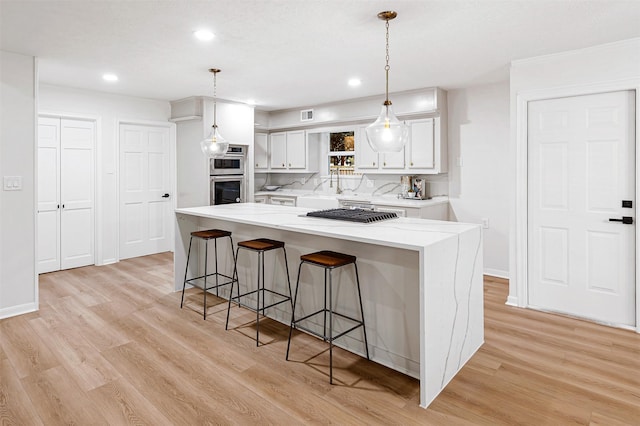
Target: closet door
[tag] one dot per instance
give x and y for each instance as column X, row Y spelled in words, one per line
column 77, row 193
column 48, row 194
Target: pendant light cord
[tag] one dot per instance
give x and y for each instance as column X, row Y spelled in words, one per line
column 387, row 67
column 215, row 97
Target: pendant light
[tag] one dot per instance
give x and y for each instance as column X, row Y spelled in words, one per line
column 214, row 145
column 387, row 133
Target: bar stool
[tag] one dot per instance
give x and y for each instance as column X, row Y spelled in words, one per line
column 210, row 234
column 260, row 246
column 329, row 260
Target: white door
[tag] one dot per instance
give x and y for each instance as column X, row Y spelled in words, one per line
column 65, row 194
column 77, row 193
column 48, row 194
column 278, row 148
column 581, row 169
column 145, row 182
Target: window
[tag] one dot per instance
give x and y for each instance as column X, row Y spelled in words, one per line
column 341, row 152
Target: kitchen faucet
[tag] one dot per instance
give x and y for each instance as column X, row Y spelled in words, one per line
column 337, row 172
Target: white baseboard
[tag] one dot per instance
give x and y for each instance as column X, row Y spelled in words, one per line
column 496, row 273
column 18, row 310
column 512, row 301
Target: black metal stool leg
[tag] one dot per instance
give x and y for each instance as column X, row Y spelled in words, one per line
column 260, row 269
column 215, row 246
column 235, row 275
column 364, row 329
column 324, row 321
column 330, row 329
column 186, row 269
column 206, row 257
column 286, row 267
column 293, row 311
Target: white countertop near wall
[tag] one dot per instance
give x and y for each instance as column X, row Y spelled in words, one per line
column 381, row 200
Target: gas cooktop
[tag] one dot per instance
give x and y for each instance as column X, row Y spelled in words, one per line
column 353, row 215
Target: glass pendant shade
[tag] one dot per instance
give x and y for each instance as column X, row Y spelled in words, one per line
column 214, row 145
column 387, row 133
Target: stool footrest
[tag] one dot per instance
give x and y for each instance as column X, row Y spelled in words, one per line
column 236, row 299
column 193, row 281
column 295, row 324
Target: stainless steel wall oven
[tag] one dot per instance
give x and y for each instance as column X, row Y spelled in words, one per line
column 227, row 177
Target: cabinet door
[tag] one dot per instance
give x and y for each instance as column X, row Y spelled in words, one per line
column 296, row 150
column 393, row 160
column 260, row 199
column 278, row 150
column 283, row 201
column 420, row 148
column 366, row 157
column 260, row 151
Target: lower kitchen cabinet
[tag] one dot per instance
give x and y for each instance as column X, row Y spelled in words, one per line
column 283, row 200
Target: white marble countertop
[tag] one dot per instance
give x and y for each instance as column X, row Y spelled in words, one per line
column 406, row 233
column 381, row 200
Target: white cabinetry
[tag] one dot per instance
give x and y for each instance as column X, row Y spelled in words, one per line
column 424, row 153
column 367, row 159
column 261, row 199
column 288, row 150
column 261, row 151
column 283, row 200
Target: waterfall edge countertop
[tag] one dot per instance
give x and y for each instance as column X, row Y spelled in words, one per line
column 424, row 298
column 406, row 233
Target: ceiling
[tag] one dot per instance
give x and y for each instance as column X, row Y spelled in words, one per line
column 296, row 53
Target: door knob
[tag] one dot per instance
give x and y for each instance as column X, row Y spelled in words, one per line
column 165, row 196
column 627, row 220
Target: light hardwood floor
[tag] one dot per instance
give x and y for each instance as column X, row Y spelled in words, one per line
column 110, row 345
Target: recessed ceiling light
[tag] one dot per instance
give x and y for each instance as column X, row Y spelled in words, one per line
column 251, row 102
column 354, row 82
column 204, row 35
column 109, row 77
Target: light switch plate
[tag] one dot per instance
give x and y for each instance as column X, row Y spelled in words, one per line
column 13, row 183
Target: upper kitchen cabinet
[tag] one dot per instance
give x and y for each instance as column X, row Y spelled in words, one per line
column 424, row 153
column 261, row 151
column 289, row 152
column 426, row 149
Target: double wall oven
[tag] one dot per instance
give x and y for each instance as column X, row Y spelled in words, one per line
column 227, row 182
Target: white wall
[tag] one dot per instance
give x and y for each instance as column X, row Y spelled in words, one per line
column 236, row 124
column 108, row 109
column 18, row 278
column 479, row 135
column 565, row 74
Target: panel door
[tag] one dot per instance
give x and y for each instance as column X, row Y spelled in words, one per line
column 278, row 147
column 48, row 194
column 421, row 148
column 581, row 168
column 296, row 150
column 77, row 193
column 145, row 206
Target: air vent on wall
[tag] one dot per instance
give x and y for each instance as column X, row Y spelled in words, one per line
column 306, row 115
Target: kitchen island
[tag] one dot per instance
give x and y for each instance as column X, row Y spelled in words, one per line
column 421, row 280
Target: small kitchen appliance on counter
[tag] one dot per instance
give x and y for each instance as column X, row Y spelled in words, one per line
column 413, row 188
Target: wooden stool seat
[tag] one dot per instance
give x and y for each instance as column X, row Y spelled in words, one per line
column 261, row 244
column 328, row 259
column 210, row 234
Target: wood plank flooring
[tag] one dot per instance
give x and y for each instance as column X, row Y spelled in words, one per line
column 110, row 345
